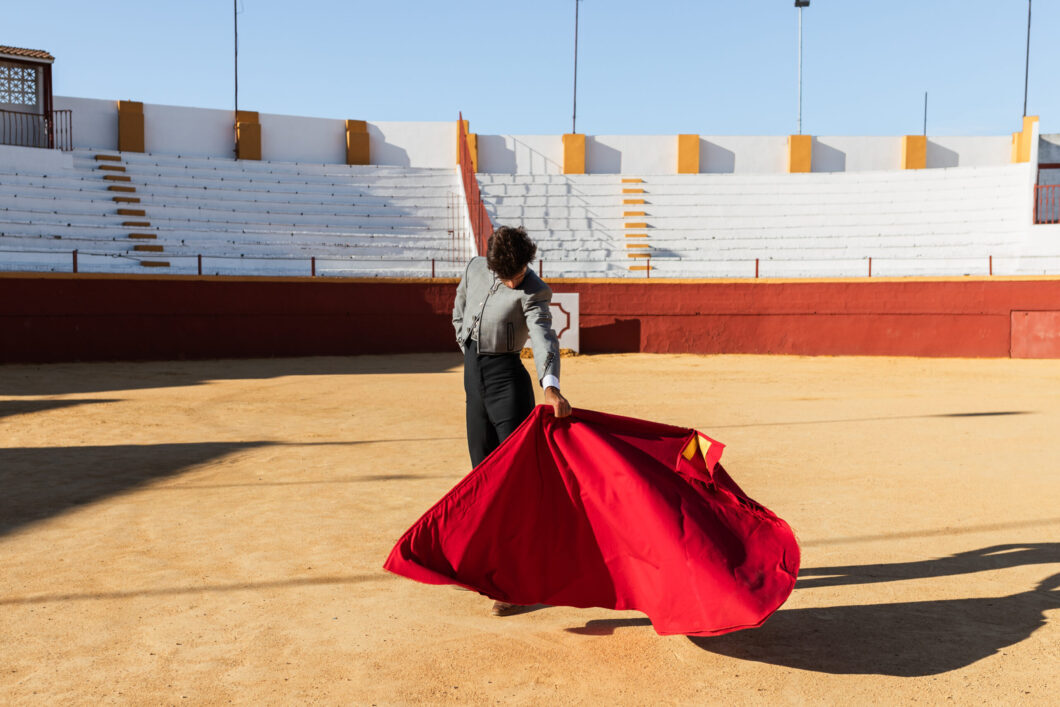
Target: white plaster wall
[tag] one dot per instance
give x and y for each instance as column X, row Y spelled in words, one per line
column 631, row 154
column 742, row 154
column 520, row 154
column 36, row 160
column 192, row 132
column 855, row 154
column 95, row 121
column 208, row 132
column 962, row 151
column 408, row 144
column 289, row 138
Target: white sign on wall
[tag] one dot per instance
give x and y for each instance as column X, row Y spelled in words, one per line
column 565, row 320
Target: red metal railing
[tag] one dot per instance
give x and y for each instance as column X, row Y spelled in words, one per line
column 1047, row 203
column 480, row 220
column 37, row 130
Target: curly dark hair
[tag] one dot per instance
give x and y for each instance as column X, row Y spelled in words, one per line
column 509, row 250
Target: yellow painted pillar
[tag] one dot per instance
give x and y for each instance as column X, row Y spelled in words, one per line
column 1028, row 136
column 574, row 153
column 800, row 153
column 357, row 142
column 1021, row 141
column 688, row 154
column 130, row 126
column 248, row 135
column 914, row 151
column 472, row 145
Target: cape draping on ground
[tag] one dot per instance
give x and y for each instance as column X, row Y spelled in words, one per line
column 600, row 510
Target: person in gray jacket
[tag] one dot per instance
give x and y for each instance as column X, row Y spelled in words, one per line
column 501, row 302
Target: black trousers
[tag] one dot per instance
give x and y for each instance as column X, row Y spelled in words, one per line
column 499, row 396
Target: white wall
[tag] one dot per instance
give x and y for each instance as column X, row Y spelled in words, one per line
column 741, row 154
column 408, row 144
column 289, row 138
column 95, row 121
column 36, row 160
column 209, row 132
column 980, row 151
column 520, row 154
column 191, row 132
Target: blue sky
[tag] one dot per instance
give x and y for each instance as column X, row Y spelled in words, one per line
column 671, row 66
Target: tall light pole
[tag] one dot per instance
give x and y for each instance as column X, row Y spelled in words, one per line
column 1027, row 65
column 235, row 47
column 574, row 115
column 800, row 4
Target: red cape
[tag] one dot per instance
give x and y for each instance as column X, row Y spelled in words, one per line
column 608, row 511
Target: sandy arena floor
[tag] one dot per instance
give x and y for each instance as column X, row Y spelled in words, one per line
column 213, row 532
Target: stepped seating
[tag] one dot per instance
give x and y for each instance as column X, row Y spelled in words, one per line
column 929, row 222
column 128, row 211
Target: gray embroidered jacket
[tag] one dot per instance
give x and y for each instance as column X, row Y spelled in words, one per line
column 506, row 316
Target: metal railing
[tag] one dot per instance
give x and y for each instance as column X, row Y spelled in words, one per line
column 480, row 220
column 1047, row 203
column 452, row 265
column 460, row 240
column 37, row 130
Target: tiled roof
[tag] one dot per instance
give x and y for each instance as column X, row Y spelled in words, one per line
column 28, row 53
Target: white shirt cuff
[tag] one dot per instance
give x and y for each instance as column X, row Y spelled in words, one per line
column 550, row 381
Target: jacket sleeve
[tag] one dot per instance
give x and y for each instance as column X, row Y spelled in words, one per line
column 543, row 339
column 458, row 307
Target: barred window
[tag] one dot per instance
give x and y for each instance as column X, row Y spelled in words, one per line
column 18, row 85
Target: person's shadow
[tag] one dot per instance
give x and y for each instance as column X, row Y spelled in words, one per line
column 988, row 558
column 901, row 639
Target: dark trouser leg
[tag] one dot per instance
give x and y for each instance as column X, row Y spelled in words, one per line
column 499, row 395
column 481, row 435
column 509, row 393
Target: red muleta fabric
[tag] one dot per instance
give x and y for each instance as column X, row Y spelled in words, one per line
column 600, row 510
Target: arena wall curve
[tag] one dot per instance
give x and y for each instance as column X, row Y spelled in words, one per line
column 208, row 132
column 52, row 318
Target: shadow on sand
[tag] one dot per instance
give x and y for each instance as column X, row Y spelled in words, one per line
column 9, row 408
column 68, row 378
column 41, row 482
column 901, row 639
column 905, row 640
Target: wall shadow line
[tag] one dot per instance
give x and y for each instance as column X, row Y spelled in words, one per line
column 939, row 532
column 10, row 408
column 177, row 591
column 877, row 419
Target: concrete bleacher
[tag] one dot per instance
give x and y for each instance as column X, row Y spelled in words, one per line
column 128, row 212
column 910, row 222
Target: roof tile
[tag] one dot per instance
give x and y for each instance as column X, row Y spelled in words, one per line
column 28, row 53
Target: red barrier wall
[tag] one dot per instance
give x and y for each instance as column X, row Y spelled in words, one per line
column 100, row 317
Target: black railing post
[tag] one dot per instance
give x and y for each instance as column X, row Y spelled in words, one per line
column 75, row 260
